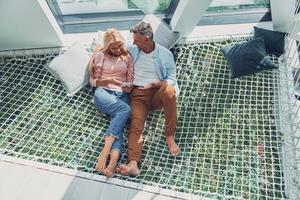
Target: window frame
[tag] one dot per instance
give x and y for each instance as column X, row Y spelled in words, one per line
column 123, row 20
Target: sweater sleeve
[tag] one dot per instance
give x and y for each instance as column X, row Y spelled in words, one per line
column 97, row 70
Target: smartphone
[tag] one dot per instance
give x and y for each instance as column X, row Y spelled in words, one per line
column 126, row 84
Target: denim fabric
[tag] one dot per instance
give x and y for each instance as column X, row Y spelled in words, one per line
column 116, row 105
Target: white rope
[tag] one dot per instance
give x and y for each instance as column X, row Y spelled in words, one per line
column 227, row 129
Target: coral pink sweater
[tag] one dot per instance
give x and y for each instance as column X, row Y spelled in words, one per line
column 112, row 67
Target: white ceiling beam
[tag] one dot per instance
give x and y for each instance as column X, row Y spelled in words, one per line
column 187, row 15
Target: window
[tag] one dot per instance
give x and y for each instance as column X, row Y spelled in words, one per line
column 75, row 16
column 236, row 11
column 221, row 6
column 92, row 15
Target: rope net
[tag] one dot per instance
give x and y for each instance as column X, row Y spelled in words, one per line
column 229, row 130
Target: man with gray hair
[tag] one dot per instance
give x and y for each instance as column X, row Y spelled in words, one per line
column 154, row 87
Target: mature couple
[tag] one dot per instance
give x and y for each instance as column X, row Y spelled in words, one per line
column 146, row 73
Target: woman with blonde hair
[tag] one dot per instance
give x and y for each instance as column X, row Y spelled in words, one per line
column 111, row 73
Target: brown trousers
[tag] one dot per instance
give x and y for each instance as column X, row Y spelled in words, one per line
column 142, row 102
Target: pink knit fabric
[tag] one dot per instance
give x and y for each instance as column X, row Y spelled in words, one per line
column 112, row 67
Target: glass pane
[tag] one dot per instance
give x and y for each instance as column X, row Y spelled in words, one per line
column 68, row 7
column 151, row 6
column 236, row 5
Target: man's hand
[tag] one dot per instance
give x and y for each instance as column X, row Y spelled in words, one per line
column 153, row 85
column 91, row 64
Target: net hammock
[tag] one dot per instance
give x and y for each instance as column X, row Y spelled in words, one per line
column 230, row 131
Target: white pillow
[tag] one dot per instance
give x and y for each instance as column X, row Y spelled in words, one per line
column 71, row 69
column 162, row 34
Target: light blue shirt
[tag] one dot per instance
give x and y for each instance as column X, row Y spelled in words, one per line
column 164, row 64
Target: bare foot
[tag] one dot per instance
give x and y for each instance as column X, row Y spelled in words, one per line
column 111, row 168
column 173, row 147
column 131, row 169
column 101, row 164
column 109, row 172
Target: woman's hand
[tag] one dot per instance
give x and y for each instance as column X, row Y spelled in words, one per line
column 115, row 82
column 106, row 81
column 126, row 87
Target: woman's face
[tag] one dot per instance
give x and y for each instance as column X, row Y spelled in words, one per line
column 116, row 48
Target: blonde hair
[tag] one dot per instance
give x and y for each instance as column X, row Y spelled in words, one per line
column 111, row 36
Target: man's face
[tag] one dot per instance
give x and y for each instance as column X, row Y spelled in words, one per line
column 140, row 41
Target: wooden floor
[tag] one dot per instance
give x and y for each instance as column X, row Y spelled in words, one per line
column 29, row 180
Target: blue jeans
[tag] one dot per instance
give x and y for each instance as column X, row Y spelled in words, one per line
column 116, row 105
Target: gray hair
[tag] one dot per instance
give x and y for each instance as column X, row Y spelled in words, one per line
column 143, row 28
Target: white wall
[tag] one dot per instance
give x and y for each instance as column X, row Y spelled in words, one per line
column 282, row 14
column 27, row 24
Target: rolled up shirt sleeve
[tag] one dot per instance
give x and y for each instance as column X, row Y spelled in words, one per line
column 171, row 69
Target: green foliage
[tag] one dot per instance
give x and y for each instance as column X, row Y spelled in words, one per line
column 150, row 6
column 230, row 146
